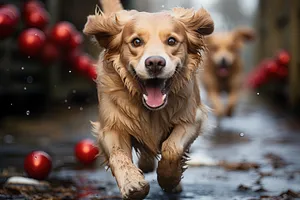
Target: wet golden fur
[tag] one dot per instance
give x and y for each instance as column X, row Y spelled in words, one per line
column 124, row 122
column 228, row 45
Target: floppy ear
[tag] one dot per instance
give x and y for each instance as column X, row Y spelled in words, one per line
column 245, row 34
column 197, row 24
column 199, row 21
column 107, row 28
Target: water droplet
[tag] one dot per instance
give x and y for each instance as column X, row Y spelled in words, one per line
column 8, row 139
column 25, row 88
column 35, row 34
column 162, row 6
column 74, row 91
column 70, row 71
column 29, row 79
column 242, row 134
column 66, row 101
column 81, row 108
column 22, row 68
column 11, row 104
column 257, row 93
column 69, row 107
column 28, row 56
column 27, row 112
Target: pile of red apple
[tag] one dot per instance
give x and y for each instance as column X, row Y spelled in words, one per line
column 39, row 41
column 269, row 70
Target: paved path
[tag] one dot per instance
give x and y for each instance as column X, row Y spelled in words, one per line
column 258, row 133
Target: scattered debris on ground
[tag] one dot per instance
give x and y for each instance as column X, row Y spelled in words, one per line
column 238, row 166
column 288, row 195
column 275, row 160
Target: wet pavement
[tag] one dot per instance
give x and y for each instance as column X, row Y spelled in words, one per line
column 252, row 155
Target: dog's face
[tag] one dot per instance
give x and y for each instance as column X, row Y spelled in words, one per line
column 152, row 47
column 224, row 48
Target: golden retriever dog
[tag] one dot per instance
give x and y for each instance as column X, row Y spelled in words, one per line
column 223, row 68
column 148, row 91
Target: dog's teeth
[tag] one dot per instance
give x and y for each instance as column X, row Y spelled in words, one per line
column 145, row 97
column 164, row 97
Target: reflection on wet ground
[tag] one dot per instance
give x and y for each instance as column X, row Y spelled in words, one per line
column 258, row 133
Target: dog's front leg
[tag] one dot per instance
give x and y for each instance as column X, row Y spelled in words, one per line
column 129, row 178
column 172, row 163
column 232, row 101
column 217, row 104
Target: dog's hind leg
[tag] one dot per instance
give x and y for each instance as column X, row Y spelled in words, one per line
column 129, row 178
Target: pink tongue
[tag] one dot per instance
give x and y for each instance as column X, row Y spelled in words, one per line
column 154, row 97
column 223, row 72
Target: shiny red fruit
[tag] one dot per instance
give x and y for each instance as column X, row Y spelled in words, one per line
column 86, row 152
column 38, row 165
column 37, row 19
column 284, row 58
column 62, row 33
column 49, row 53
column 6, row 25
column 92, row 73
column 76, row 40
column 271, row 67
column 32, row 6
column 31, row 41
column 83, row 62
column 12, row 11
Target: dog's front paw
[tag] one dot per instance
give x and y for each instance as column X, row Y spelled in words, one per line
column 135, row 189
column 169, row 174
column 132, row 183
column 229, row 112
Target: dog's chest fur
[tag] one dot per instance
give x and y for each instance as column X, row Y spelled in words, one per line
column 125, row 114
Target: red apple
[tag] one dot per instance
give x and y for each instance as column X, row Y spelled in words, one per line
column 31, row 41
column 62, row 33
column 83, row 62
column 49, row 53
column 76, row 40
column 32, row 6
column 92, row 73
column 283, row 58
column 12, row 11
column 272, row 67
column 86, row 152
column 38, row 165
column 37, row 19
column 9, row 17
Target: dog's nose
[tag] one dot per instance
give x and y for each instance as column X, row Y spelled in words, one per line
column 223, row 63
column 155, row 64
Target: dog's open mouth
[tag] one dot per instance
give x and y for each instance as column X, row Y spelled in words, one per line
column 155, row 93
column 223, row 70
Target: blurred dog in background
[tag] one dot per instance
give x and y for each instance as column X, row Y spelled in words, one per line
column 223, row 68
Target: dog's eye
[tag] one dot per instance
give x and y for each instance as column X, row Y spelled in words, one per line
column 172, row 41
column 136, row 42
